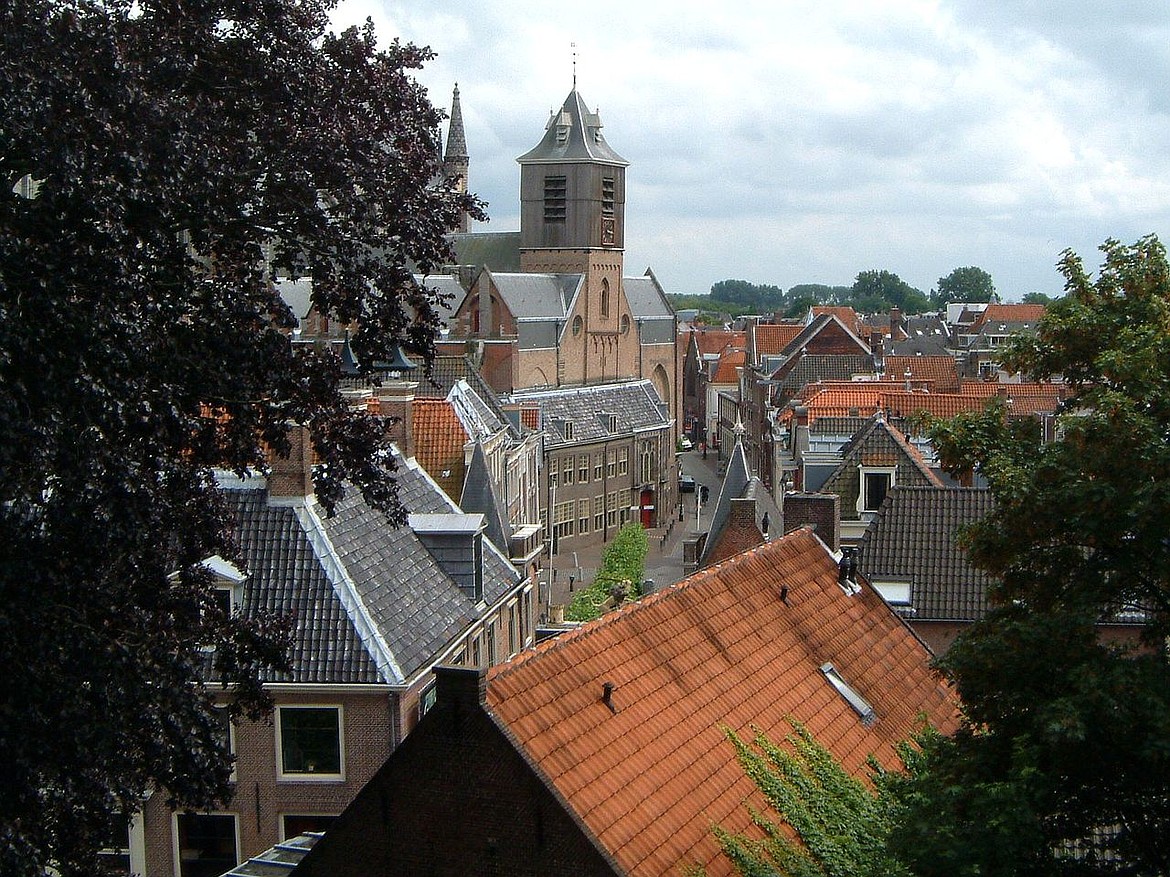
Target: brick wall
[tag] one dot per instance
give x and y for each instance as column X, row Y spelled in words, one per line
column 821, row 511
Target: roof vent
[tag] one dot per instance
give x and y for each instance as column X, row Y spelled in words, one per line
column 607, row 689
column 847, row 572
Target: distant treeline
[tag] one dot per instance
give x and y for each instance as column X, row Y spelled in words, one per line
column 872, row 292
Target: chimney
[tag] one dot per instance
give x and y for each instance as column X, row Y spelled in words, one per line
column 291, row 477
column 455, row 541
column 396, row 401
column 459, row 692
column 607, row 690
column 821, row 511
column 897, row 330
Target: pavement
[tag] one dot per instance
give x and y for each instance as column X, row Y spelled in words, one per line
column 664, row 560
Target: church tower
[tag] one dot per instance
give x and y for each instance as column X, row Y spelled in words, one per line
column 572, row 193
column 456, row 161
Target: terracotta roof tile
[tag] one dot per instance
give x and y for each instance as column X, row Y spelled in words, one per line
column 1020, row 313
column 713, row 341
column 729, row 361
column 719, row 648
column 939, row 370
column 439, row 438
column 846, row 315
column 771, row 338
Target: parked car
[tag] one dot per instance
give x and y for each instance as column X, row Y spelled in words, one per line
column 685, row 444
column 686, row 484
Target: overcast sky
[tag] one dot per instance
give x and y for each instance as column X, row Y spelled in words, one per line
column 803, row 142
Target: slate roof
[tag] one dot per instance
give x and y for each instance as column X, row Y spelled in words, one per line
column 646, row 298
column 738, row 483
column 635, row 403
column 496, row 251
column 449, row 293
column 721, row 648
column 583, row 143
column 913, row 538
column 450, row 370
column 537, row 296
column 369, row 603
column 807, row 368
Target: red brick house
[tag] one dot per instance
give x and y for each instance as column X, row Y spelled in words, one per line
column 603, row 751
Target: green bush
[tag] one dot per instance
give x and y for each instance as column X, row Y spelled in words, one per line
column 624, row 560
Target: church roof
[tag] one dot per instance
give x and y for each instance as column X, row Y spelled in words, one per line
column 495, row 250
column 539, row 296
column 573, row 134
column 646, row 298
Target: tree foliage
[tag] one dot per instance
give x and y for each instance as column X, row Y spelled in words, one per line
column 1064, row 744
column 166, row 150
column 623, row 565
column 969, row 284
column 831, row 824
column 875, row 291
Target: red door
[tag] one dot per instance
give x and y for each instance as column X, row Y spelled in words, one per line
column 647, row 504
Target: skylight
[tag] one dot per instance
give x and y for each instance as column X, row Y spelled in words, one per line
column 855, row 700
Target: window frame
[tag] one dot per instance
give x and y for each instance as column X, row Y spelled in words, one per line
column 176, row 850
column 283, row 775
column 283, row 829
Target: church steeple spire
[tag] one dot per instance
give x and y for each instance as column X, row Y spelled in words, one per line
column 456, row 141
column 456, row 161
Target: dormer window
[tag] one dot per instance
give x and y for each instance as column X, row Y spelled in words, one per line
column 567, row 430
column 612, row 422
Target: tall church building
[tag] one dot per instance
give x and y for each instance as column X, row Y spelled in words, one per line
column 549, row 307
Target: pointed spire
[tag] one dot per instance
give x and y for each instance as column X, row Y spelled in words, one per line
column 456, row 140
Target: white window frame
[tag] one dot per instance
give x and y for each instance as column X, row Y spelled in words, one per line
column 136, row 851
column 177, row 853
column 863, row 490
column 897, row 593
column 297, row 777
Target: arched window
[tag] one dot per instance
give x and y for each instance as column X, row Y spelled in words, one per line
column 604, row 297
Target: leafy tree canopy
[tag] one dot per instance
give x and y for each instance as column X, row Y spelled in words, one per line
column 1064, row 745
column 1038, row 298
column 874, row 291
column 152, row 154
column 623, row 565
column 969, row 284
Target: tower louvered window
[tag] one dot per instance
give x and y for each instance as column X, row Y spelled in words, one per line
column 555, row 190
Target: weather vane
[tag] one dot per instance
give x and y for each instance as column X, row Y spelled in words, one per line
column 574, row 48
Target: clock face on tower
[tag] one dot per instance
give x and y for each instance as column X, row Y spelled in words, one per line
column 608, row 237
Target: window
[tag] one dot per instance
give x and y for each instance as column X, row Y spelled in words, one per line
column 604, row 297
column 567, row 429
column 625, row 324
column 205, row 844
column 607, row 196
column 623, row 461
column 309, row 739
column 875, row 484
column 554, row 199
column 514, row 643
column 611, row 508
column 292, row 824
column 896, row 593
column 578, row 325
column 598, row 513
column 583, row 468
column 851, row 695
column 493, row 654
column 610, row 463
column 612, row 423
column 563, row 519
column 646, row 466
column 598, row 461
column 427, row 698
column 126, row 853
column 625, row 498
column 582, row 516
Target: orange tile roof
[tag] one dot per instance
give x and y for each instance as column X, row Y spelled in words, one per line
column 1005, row 313
column 902, row 403
column 771, row 338
column 651, row 777
column 846, row 315
column 842, row 398
column 729, row 360
column 439, row 438
column 712, row 341
column 940, row 370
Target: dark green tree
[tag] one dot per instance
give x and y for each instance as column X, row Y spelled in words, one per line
column 830, row 824
column 152, row 155
column 875, row 291
column 1038, row 298
column 1062, row 765
column 968, row 284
